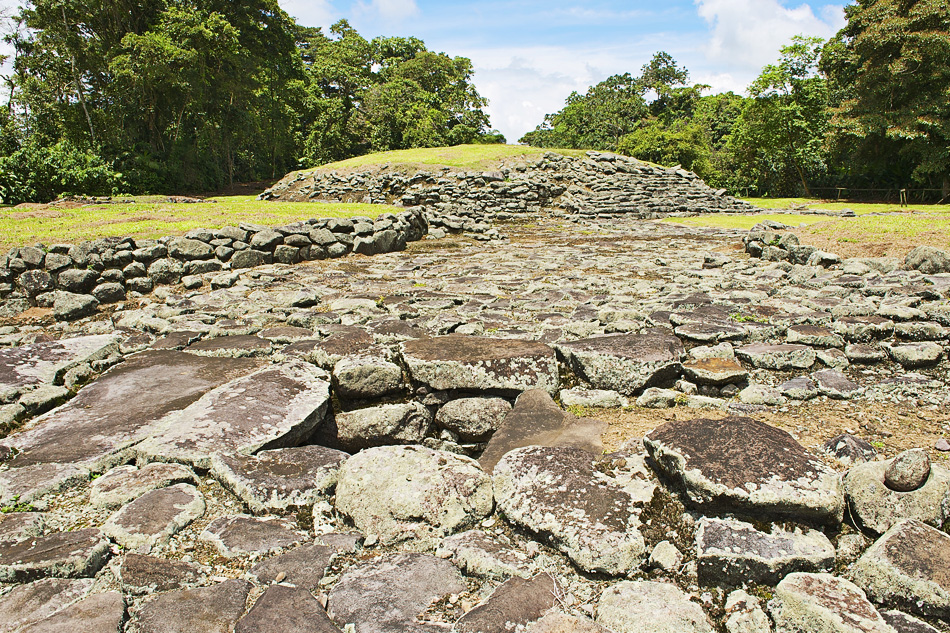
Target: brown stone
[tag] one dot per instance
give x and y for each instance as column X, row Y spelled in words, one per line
column 287, row 610
column 147, row 574
column 714, row 371
column 302, row 566
column 516, row 602
column 99, row 613
column 58, row 555
column 214, row 609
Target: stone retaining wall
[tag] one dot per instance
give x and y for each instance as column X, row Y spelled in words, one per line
column 598, row 184
column 75, row 279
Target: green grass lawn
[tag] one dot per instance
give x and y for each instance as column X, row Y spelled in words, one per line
column 148, row 217
column 746, row 221
column 472, row 157
column 860, row 208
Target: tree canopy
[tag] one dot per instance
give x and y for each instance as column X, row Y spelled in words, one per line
column 172, row 95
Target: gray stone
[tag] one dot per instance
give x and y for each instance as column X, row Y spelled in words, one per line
column 849, row 450
column 556, row 492
column 145, row 575
column 863, row 329
column 656, row 398
column 739, row 463
column 381, row 425
column 908, row 471
column 761, row 394
column 233, row 346
column 865, row 354
column 515, row 603
column 486, row 555
column 412, row 492
column 20, row 526
column 278, row 480
column 155, row 517
column 109, row 293
column 288, row 401
column 598, row 398
column 816, row 335
column 249, row 258
column 35, row 282
column 366, row 377
column 536, row 420
column 165, row 271
column 388, row 594
column 650, row 607
column 188, row 249
column 473, row 419
column 76, row 280
column 58, row 555
column 303, row 566
column 877, row 507
column 908, row 568
column 744, row 614
column 123, row 484
column 114, row 412
column 288, row 610
column 666, row 556
column 481, row 364
column 26, row 604
column 834, row 384
column 915, row 355
column 834, row 358
column 48, row 362
column 732, row 552
column 800, row 388
column 903, row 623
column 777, row 357
column 241, row 535
column 27, row 483
column 100, row 613
column 266, row 240
column 68, row 306
column 714, row 371
column 822, row 603
column 928, row 260
column 214, row 609
column 559, row 622
column 626, row 363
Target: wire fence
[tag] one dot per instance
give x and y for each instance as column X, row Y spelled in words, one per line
column 903, row 196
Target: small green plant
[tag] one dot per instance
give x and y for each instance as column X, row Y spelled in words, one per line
column 747, row 318
column 879, row 444
column 16, row 506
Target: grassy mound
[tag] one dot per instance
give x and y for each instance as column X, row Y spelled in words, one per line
column 464, row 157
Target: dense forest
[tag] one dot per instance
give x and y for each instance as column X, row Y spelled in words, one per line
column 191, row 95
column 869, row 109
column 168, row 96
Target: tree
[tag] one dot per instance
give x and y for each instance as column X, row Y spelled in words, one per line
column 779, row 135
column 890, row 70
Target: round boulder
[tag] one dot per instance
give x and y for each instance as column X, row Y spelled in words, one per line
column 908, row 471
column 412, row 492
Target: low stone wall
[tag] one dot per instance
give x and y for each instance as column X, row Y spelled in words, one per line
column 598, row 184
column 75, row 279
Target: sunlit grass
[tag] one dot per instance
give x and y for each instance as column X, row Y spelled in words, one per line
column 149, row 218
column 882, row 228
column 859, row 208
column 745, row 221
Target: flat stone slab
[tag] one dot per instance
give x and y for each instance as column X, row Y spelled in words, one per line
column 58, row 555
column 388, row 594
column 279, row 479
column 30, row 603
column 275, row 407
column 904, row 623
column 46, row 363
column 742, row 464
column 473, row 419
column 909, row 568
column 777, row 357
column 115, row 411
column 516, row 602
column 626, row 363
column 242, row 535
column 731, row 552
column 403, row 492
column 714, row 371
column 303, row 566
column 146, row 575
column 555, row 492
column 559, row 622
column 650, row 607
column 30, row 482
column 155, row 517
column 400, row 423
column 19, row 526
column 288, row 610
column 238, row 346
column 877, row 508
column 366, row 377
column 214, row 609
column 123, row 484
column 822, row 602
column 834, row 384
column 536, row 420
column 815, row 335
column 474, row 363
column 103, row 612
column 486, row 555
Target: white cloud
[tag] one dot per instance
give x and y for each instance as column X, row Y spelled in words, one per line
column 746, row 34
column 388, row 10
column 311, row 12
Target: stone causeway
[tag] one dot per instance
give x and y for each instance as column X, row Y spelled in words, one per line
column 416, row 430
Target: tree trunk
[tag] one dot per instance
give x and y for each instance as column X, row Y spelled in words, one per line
column 79, row 92
column 946, row 187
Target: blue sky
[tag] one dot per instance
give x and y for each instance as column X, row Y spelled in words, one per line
column 530, row 55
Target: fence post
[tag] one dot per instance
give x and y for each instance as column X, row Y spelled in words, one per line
column 903, row 197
